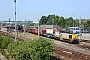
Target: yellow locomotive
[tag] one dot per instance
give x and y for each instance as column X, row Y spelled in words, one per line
column 71, row 38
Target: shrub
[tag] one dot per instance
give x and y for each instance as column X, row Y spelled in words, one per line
column 5, row 41
column 19, row 50
column 39, row 49
column 3, row 52
column 42, row 49
column 1, row 40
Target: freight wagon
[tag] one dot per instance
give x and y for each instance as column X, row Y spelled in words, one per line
column 34, row 31
column 71, row 38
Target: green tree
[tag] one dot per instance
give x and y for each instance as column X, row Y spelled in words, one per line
column 88, row 23
column 43, row 20
column 50, row 19
column 76, row 23
column 56, row 20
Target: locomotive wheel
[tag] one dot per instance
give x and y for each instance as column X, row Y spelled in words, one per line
column 75, row 41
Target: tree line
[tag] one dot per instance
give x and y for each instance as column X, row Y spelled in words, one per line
column 64, row 22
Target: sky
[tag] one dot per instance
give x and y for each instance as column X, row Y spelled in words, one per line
column 34, row 9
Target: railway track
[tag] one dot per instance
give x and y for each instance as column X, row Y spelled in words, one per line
column 11, row 35
column 70, row 54
column 69, row 51
column 87, row 41
column 72, row 47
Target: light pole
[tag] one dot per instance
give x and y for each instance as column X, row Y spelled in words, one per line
column 1, row 25
column 80, row 27
column 38, row 29
column 53, row 23
column 25, row 30
column 73, row 20
column 9, row 25
column 15, row 20
column 73, row 23
column 24, row 27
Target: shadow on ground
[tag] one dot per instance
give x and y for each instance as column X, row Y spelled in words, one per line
column 55, row 58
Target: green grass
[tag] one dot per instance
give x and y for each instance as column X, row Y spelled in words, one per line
column 28, row 35
column 3, row 53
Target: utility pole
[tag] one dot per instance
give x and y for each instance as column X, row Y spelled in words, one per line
column 83, row 28
column 9, row 25
column 73, row 23
column 1, row 25
column 53, row 23
column 25, row 30
column 80, row 27
column 38, row 29
column 15, row 21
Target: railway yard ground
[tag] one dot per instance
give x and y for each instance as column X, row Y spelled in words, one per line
column 68, row 51
column 85, row 36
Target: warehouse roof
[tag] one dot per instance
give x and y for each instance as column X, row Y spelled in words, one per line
column 51, row 26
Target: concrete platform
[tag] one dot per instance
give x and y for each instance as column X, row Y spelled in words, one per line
column 85, row 36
